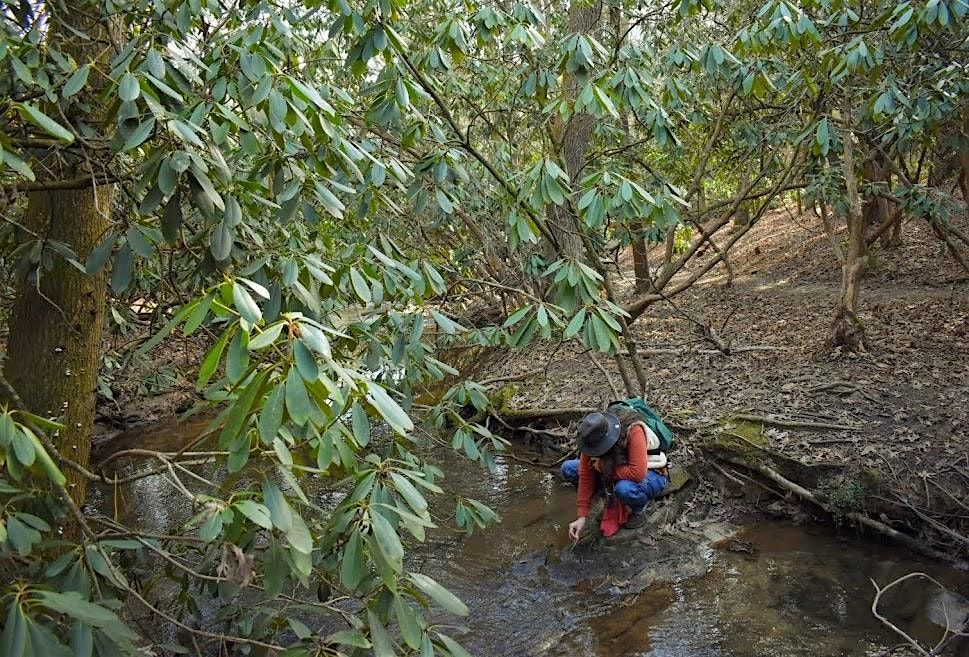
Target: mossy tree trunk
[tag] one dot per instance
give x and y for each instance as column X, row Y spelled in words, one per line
column 56, row 323
column 54, row 348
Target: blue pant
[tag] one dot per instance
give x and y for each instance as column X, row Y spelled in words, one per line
column 634, row 494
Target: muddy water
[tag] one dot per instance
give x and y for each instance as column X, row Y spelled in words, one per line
column 773, row 590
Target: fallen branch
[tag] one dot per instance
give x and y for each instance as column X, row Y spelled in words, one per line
column 861, row 519
column 791, row 423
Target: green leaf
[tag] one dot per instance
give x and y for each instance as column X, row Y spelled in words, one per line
column 266, row 337
column 211, row 360
column 361, row 425
column 271, row 417
column 43, row 642
column 198, row 315
column 76, row 82
column 21, row 536
column 387, row 540
column 220, row 243
column 388, row 408
column 409, row 493
column 353, row 638
column 122, row 269
column 297, row 400
column 383, row 645
column 256, row 512
column 453, row 647
column 444, row 202
column 439, row 594
column 299, row 535
column 139, row 134
column 447, row 325
column 279, row 510
column 18, row 165
column 44, row 459
column 44, row 122
column 128, row 87
column 13, row 641
column 575, row 325
column 72, row 604
column 408, row 620
column 360, row 286
column 245, row 304
column 305, row 362
column 352, row 563
column 23, row 448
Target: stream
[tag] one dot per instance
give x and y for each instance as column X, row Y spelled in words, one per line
column 763, row 590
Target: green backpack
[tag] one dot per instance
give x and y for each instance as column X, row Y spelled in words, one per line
column 650, row 417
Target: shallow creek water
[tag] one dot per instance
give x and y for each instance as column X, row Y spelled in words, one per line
column 794, row 590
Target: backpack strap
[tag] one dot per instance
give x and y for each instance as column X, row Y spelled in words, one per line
column 652, row 440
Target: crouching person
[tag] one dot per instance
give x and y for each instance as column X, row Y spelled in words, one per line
column 615, row 462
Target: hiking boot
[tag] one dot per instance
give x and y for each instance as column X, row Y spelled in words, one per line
column 635, row 520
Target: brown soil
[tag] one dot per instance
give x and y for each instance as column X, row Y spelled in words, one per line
column 907, row 401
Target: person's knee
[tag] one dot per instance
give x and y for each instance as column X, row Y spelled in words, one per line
column 655, row 483
column 570, row 471
column 630, row 492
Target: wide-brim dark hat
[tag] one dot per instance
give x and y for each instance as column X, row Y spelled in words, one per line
column 597, row 433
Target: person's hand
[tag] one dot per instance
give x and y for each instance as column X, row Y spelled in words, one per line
column 575, row 528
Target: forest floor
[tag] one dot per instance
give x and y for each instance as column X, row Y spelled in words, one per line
column 904, row 405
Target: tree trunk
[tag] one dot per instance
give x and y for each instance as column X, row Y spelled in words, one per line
column 573, row 138
column 54, row 348
column 964, row 161
column 742, row 216
column 875, row 209
column 846, row 329
column 56, row 323
column 641, row 265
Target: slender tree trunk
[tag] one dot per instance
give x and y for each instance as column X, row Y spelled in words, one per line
column 964, row 161
column 641, row 265
column 875, row 209
column 846, row 329
column 54, row 345
column 573, row 138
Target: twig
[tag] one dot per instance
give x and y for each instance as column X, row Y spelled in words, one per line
column 612, row 385
column 879, row 591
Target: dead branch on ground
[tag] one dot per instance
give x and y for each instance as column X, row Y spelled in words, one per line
column 791, row 423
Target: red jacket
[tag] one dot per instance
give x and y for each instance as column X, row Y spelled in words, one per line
column 634, row 469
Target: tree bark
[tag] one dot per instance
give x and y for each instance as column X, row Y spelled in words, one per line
column 875, row 208
column 54, row 348
column 56, row 323
column 641, row 265
column 572, row 139
column 846, row 329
